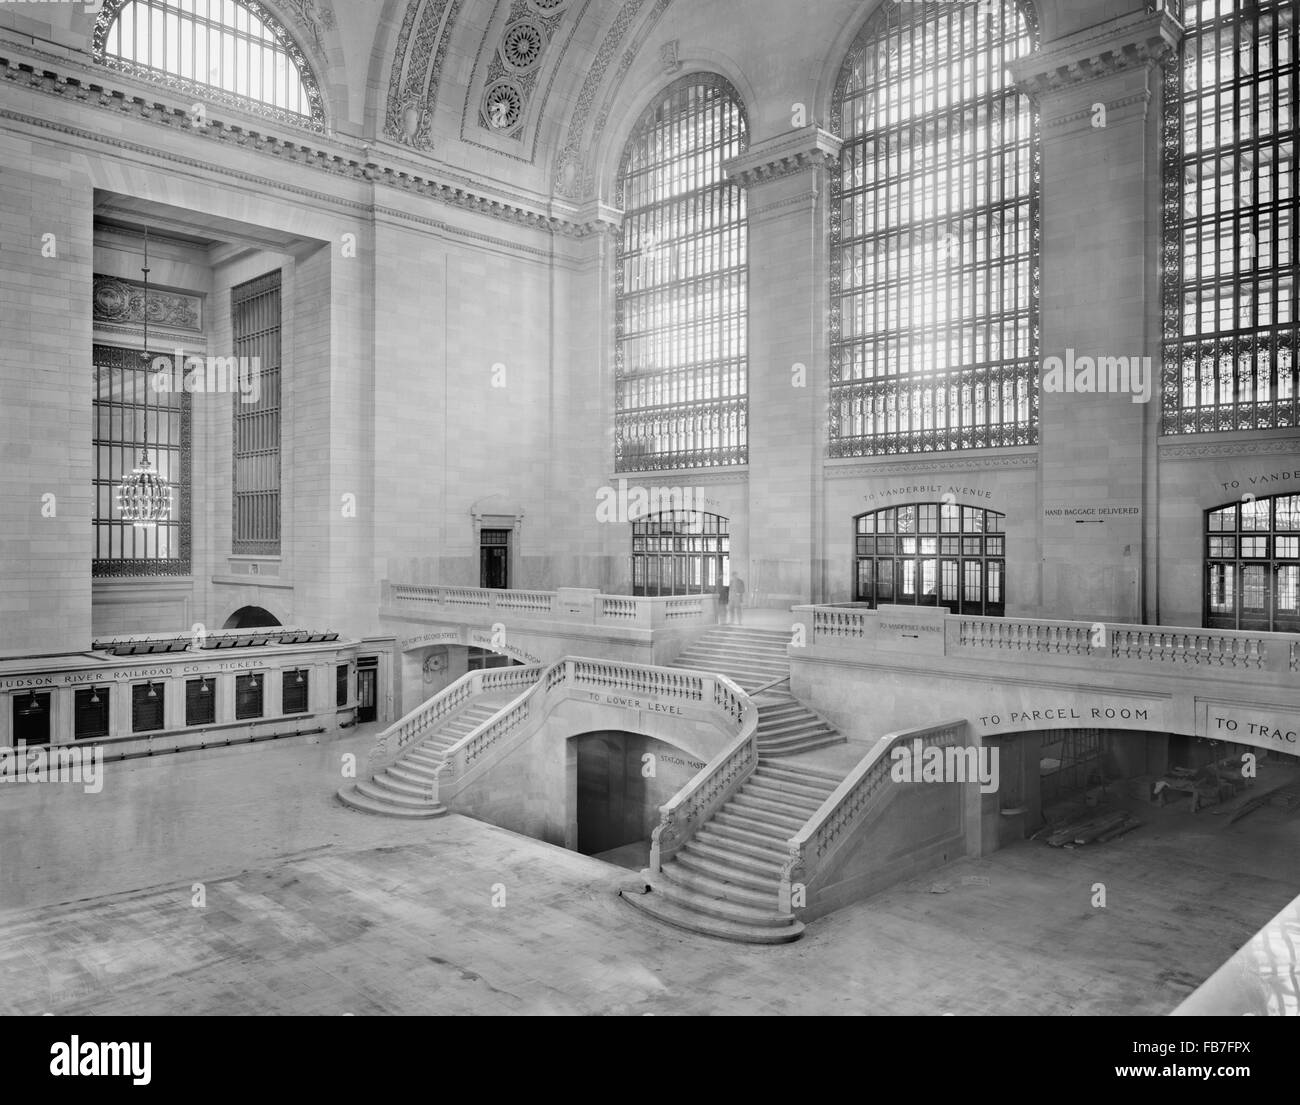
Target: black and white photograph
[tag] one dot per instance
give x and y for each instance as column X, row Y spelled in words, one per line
column 649, row 508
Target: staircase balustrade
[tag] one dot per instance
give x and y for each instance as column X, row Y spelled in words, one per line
column 716, row 698
column 832, row 826
column 398, row 737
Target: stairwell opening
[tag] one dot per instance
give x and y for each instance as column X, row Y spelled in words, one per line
column 617, row 782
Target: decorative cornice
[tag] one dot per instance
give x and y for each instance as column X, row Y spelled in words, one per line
column 130, row 336
column 1130, row 42
column 314, row 157
column 696, row 477
column 1273, row 446
column 794, row 152
column 966, row 462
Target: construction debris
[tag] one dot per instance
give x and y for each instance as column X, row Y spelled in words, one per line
column 1098, row 827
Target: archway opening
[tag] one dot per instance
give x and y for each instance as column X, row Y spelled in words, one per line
column 622, row 780
column 251, row 617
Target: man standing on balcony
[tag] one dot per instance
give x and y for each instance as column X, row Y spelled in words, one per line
column 735, row 612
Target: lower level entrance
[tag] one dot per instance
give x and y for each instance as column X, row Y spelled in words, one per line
column 622, row 780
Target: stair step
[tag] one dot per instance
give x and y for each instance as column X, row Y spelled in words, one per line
column 795, row 748
column 673, row 913
column 729, row 855
column 799, row 774
column 349, row 796
column 725, row 872
column 732, row 839
column 773, row 812
column 415, row 776
column 737, row 820
column 419, row 756
column 713, row 887
column 719, row 908
column 789, row 787
column 383, row 794
column 385, row 780
column 798, row 803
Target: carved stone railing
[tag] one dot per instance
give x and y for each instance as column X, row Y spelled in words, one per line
column 1133, row 646
column 706, row 696
column 427, row 716
column 704, row 795
column 583, row 607
column 831, row 826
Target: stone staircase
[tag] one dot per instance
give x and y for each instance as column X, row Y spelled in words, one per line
column 725, row 880
column 404, row 788
column 752, row 658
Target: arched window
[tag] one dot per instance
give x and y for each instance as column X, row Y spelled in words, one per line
column 934, row 234
column 681, row 372
column 228, row 51
column 1252, row 565
column 1230, row 213
column 680, row 553
column 932, row 554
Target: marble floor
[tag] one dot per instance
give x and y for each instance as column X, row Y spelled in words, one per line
column 234, row 884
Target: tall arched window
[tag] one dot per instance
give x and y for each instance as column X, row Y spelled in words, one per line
column 1230, row 215
column 1252, row 565
column 228, row 51
column 681, row 374
column 932, row 554
column 934, row 234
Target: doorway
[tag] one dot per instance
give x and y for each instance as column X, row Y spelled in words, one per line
column 367, row 689
column 494, row 559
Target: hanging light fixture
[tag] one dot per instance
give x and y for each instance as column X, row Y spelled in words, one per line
column 298, row 678
column 153, row 691
column 32, row 706
column 144, row 498
column 203, row 686
column 94, row 696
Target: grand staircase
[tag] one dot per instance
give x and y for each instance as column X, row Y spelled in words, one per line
column 754, row 658
column 725, row 880
column 404, row 788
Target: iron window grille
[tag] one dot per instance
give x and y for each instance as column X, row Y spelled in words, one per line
column 681, row 284
column 1230, row 219
column 935, row 234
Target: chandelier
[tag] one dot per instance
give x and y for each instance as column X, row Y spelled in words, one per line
column 144, row 498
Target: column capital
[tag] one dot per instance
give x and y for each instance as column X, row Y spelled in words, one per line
column 796, row 151
column 1131, row 42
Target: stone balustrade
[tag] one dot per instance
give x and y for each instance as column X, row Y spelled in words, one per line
column 420, row 722
column 831, row 827
column 1134, row 646
column 573, row 605
column 696, row 695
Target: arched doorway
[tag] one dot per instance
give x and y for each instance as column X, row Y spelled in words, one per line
column 682, row 552
column 251, row 617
